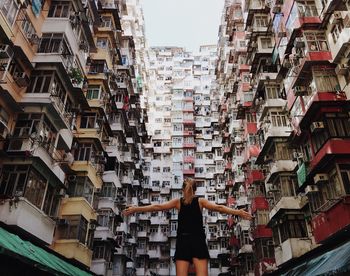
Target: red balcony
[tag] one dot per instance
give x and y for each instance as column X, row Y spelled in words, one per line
column 188, row 132
column 243, row 67
column 226, row 149
column 328, row 223
column 254, row 175
column 234, row 242
column 230, row 183
column 228, row 166
column 188, row 122
column 251, row 128
column 322, row 102
column 262, row 231
column 189, row 159
column 259, row 203
column 329, row 149
column 188, row 171
column 189, row 145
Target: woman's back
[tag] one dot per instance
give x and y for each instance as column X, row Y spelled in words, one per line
column 190, row 219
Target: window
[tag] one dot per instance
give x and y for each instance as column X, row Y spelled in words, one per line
column 55, row 43
column 325, row 80
column 156, row 169
column 28, row 27
column 153, row 230
column 74, row 227
column 279, row 119
column 60, row 9
column 158, row 120
column 166, row 169
column 336, row 31
column 85, row 152
column 89, row 120
column 260, row 21
column 9, row 9
column 81, row 187
column 102, row 42
column 93, row 92
column 108, row 190
column 316, row 41
column 105, row 218
column 35, row 189
column 266, row 43
column 292, row 226
column 106, row 22
column 272, row 91
column 307, row 8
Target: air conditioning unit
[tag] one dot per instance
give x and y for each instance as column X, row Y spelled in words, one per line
column 320, row 178
column 342, row 69
column 92, row 226
column 311, row 189
column 21, row 79
column 5, row 51
column 316, row 126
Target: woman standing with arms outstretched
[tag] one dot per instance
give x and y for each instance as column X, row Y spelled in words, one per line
column 191, row 246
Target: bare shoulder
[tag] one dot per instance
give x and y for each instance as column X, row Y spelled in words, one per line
column 176, row 203
column 202, row 202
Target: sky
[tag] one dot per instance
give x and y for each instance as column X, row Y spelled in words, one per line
column 183, row 23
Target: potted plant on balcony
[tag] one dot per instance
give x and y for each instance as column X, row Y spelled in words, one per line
column 76, row 76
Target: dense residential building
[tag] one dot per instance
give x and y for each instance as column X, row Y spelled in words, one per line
column 183, row 119
column 72, row 129
column 283, row 76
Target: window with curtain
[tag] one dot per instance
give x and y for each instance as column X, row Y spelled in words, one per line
column 316, row 41
column 325, row 80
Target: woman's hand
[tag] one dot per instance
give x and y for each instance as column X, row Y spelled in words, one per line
column 129, row 210
column 244, row 215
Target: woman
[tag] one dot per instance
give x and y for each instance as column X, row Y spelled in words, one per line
column 191, row 244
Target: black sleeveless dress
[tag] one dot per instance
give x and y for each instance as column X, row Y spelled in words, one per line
column 191, row 240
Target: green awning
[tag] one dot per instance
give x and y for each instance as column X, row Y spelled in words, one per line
column 14, row 245
column 333, row 262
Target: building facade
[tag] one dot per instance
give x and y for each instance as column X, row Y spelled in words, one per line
column 72, row 128
column 282, row 73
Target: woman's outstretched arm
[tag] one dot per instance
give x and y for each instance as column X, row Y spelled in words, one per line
column 223, row 209
column 174, row 203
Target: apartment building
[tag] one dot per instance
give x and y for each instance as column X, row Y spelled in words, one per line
column 282, row 73
column 72, row 129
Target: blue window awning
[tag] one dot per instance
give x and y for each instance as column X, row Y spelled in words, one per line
column 333, row 262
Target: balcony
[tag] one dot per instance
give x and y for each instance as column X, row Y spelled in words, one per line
column 159, row 220
column 336, row 218
column 331, row 148
column 259, row 203
column 90, row 169
column 49, row 155
column 246, row 249
column 104, row 233
column 100, row 266
column 262, row 231
column 158, row 237
column 76, row 206
column 279, row 166
column 292, row 248
column 291, row 203
column 26, row 216
column 73, row 249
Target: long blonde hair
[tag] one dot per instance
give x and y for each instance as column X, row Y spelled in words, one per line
column 189, row 188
